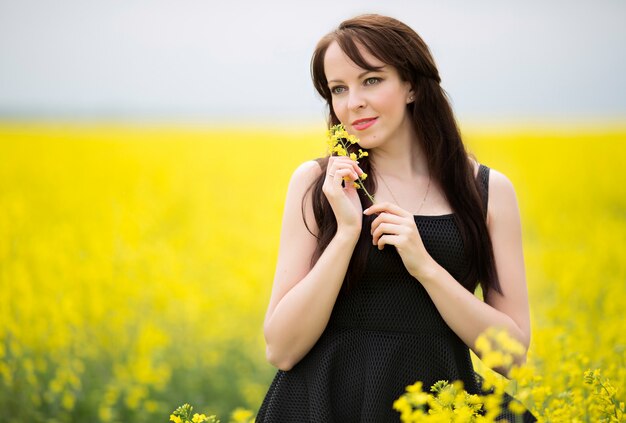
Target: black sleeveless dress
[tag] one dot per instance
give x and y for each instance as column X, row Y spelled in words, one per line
column 383, row 335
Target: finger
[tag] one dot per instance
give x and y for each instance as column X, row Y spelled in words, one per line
column 355, row 166
column 343, row 162
column 385, row 217
column 341, row 159
column 390, row 229
column 388, row 208
column 332, row 171
column 340, row 174
column 387, row 239
column 385, row 229
column 381, row 219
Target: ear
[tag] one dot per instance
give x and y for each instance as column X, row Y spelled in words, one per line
column 410, row 97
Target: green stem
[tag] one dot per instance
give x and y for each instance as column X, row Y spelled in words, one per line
column 359, row 181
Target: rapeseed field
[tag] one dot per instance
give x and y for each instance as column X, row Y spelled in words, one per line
column 136, row 264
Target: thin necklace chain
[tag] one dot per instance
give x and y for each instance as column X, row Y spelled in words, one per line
column 396, row 200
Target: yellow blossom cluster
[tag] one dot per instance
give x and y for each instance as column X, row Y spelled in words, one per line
column 449, row 402
column 183, row 415
column 339, row 142
column 498, row 349
column 605, row 400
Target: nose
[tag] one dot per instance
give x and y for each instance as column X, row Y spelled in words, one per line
column 355, row 99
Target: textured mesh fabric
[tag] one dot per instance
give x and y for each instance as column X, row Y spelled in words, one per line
column 383, row 335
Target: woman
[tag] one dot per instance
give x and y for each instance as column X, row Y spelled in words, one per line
column 369, row 298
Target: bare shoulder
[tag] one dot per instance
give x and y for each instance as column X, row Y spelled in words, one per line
column 309, row 170
column 500, row 186
column 301, row 180
column 502, row 198
column 501, row 194
column 475, row 166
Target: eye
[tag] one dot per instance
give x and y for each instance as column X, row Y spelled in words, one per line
column 337, row 90
column 372, row 81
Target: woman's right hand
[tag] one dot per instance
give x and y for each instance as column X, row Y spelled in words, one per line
column 304, row 294
column 343, row 199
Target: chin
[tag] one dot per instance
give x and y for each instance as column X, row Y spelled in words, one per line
column 369, row 142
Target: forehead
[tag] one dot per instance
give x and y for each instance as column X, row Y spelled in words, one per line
column 338, row 65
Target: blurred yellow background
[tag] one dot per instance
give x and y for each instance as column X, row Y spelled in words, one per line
column 137, row 262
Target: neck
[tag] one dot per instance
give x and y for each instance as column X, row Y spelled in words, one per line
column 403, row 158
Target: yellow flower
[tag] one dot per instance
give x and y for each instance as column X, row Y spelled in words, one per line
column 492, row 405
column 482, row 344
column 175, row 419
column 508, row 343
column 418, row 398
column 590, row 376
column 401, row 404
column 416, row 387
column 68, row 401
column 463, row 414
column 338, row 144
column 541, row 393
column 517, row 407
column 446, row 397
column 106, row 414
column 241, row 415
column 495, row 359
column 340, row 150
column 198, row 418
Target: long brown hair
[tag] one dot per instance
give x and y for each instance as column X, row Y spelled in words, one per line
column 396, row 44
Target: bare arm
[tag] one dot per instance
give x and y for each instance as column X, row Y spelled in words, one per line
column 303, row 297
column 465, row 314
column 462, row 311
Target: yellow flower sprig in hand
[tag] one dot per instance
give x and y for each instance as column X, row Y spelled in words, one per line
column 338, row 142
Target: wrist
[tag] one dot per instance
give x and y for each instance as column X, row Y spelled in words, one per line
column 428, row 272
column 350, row 234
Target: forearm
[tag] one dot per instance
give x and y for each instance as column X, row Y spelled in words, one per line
column 302, row 314
column 466, row 314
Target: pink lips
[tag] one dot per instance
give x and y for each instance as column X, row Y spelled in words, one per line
column 362, row 124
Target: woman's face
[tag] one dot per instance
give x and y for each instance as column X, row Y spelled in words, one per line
column 371, row 104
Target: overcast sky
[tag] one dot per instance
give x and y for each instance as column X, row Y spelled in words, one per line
column 236, row 59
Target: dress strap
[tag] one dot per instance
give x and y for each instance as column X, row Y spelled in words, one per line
column 483, row 183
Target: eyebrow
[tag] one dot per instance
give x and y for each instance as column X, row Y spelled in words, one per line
column 361, row 75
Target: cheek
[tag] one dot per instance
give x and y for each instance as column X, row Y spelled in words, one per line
column 398, row 107
column 338, row 107
column 394, row 99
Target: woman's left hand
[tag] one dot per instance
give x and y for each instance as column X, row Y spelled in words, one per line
column 396, row 226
